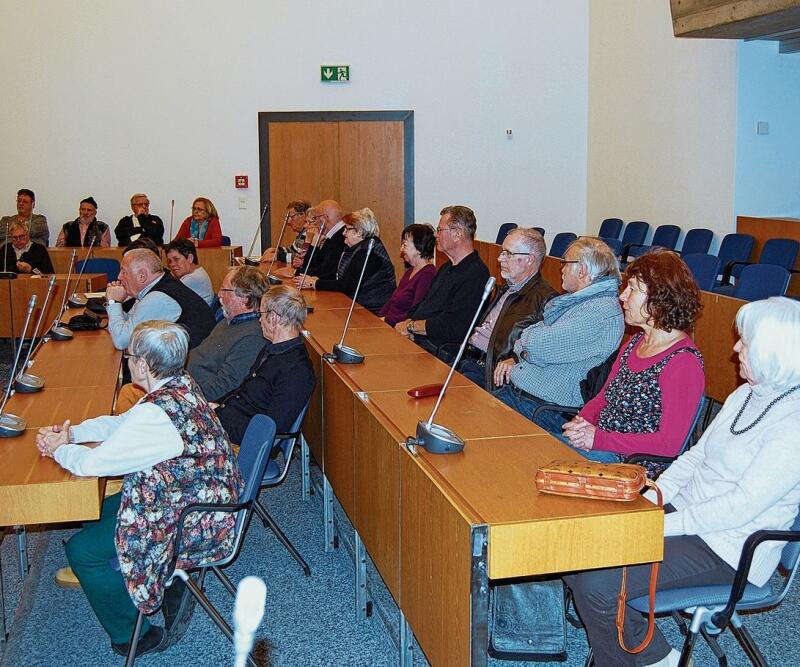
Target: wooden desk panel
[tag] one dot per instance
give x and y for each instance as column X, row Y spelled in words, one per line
column 392, row 372
column 715, row 336
column 334, row 318
column 53, row 405
column 34, row 489
column 380, row 340
column 551, row 272
column 763, row 229
column 312, row 425
column 56, row 363
column 323, row 300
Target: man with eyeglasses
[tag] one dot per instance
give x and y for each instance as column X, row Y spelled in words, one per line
column 446, row 312
column 36, row 224
column 522, row 299
column 330, row 246
column 23, row 255
column 141, row 224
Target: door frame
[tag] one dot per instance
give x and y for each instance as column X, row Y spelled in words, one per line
column 267, row 117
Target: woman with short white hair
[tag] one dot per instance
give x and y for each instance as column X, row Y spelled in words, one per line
column 743, row 475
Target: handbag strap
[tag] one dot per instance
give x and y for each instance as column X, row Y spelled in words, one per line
column 623, row 596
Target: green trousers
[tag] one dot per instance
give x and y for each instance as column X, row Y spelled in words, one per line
column 90, row 553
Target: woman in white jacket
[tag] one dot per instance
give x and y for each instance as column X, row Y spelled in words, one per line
column 742, row 476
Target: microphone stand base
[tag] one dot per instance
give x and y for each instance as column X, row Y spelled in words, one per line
column 274, row 280
column 438, row 439
column 11, row 426
column 7, row 275
column 61, row 332
column 343, row 354
column 252, row 261
column 28, row 384
column 77, row 301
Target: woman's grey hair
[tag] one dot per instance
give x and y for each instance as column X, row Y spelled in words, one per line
column 596, row 258
column 249, row 283
column 530, row 241
column 163, row 345
column 363, row 221
column 288, row 304
column 771, row 331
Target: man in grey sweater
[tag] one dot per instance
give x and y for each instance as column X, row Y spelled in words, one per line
column 579, row 330
column 219, row 364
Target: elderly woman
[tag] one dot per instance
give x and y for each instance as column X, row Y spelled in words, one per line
column 182, row 262
column 202, row 226
column 742, row 476
column 85, row 228
column 651, row 395
column 416, row 248
column 173, row 452
column 360, row 227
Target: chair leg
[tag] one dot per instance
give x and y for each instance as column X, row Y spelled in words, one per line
column 680, row 622
column 134, row 643
column 224, row 580
column 688, row 647
column 716, row 649
column 305, row 463
column 749, row 645
column 269, row 522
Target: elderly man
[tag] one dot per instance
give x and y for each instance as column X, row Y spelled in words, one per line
column 579, row 330
column 220, row 363
column 80, row 231
column 444, row 315
column 330, row 246
column 36, row 224
column 523, row 298
column 281, row 379
column 158, row 296
column 23, row 255
column 141, row 224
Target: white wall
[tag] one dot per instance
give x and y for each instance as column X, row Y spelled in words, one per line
column 662, row 120
column 110, row 97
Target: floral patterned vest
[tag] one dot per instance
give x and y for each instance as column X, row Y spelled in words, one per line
column 152, row 499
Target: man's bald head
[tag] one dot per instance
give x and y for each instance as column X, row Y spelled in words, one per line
column 331, row 211
column 139, row 268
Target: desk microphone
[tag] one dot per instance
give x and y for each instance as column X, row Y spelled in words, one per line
column 341, row 352
column 272, row 279
column 251, row 595
column 171, row 218
column 313, row 250
column 439, row 439
column 5, row 274
column 27, row 383
column 10, row 425
column 249, row 259
column 79, row 300
column 58, row 331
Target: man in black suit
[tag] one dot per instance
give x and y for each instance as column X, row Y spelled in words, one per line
column 141, row 224
column 23, row 255
column 328, row 214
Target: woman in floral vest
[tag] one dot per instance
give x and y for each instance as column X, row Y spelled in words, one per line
column 173, row 452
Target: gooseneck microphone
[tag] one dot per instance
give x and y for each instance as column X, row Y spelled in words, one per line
column 171, row 218
column 341, row 352
column 80, row 300
column 27, row 383
column 10, row 425
column 314, row 247
column 249, row 259
column 272, row 279
column 58, row 331
column 5, row 274
column 248, row 610
column 439, row 439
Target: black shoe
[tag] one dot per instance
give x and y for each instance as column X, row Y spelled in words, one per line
column 155, row 639
column 177, row 607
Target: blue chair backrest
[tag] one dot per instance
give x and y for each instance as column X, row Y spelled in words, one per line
column 254, row 454
column 226, row 240
column 540, row 230
column 505, row 228
column 286, row 447
column 705, row 269
column 697, row 241
column 100, row 265
column 610, row 228
column 635, row 232
column 761, row 281
column 735, row 248
column 614, row 244
column 666, row 236
column 781, row 252
column 560, row 243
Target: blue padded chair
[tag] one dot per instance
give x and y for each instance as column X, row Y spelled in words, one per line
column 665, row 236
column 779, row 252
column 705, row 269
column 540, row 230
column 99, row 265
column 505, row 228
column 735, row 248
column 254, row 456
column 635, row 234
column 276, row 472
column 614, row 244
column 226, row 240
column 610, row 228
column 560, row 243
column 760, row 281
column 697, row 241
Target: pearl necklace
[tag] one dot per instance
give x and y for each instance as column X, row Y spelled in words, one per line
column 761, row 416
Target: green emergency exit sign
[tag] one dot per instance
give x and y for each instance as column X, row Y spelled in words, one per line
column 334, row 73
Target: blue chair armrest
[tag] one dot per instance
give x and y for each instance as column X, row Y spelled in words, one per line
column 552, row 407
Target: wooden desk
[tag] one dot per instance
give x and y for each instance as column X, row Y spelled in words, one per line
column 335, row 318
column 52, row 405
column 763, row 229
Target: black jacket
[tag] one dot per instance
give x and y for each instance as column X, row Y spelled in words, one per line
column 326, row 258
column 150, row 226
column 37, row 256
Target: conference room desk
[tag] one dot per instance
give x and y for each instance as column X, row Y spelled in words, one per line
column 22, row 288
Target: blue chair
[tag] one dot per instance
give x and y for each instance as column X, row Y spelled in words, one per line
column 780, row 252
column 610, row 228
column 276, row 472
column 705, row 269
column 99, row 265
column 635, row 234
column 759, row 281
column 713, row 608
column 540, row 230
column 697, row 241
column 254, row 456
column 665, row 236
column 505, row 228
column 734, row 248
column 560, row 243
column 614, row 244
column 226, row 240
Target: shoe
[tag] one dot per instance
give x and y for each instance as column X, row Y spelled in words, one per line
column 177, row 608
column 65, row 578
column 154, row 640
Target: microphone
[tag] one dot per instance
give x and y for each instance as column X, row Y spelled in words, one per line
column 311, row 256
column 439, row 439
column 272, row 279
column 79, row 300
column 26, row 383
column 171, row 217
column 251, row 596
column 341, row 352
column 249, row 259
column 5, row 274
column 58, row 331
column 10, row 425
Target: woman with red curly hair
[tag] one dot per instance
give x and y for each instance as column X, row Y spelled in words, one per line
column 649, row 400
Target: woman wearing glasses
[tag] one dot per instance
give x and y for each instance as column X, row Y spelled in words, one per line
column 202, row 226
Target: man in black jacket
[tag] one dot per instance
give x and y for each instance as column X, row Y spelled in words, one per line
column 23, row 255
column 328, row 215
column 141, row 224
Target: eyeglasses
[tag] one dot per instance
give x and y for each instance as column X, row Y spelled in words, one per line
column 18, row 237
column 509, row 253
column 227, row 289
column 199, row 208
column 569, row 261
column 264, row 313
column 292, row 216
column 349, row 228
column 441, row 230
column 127, row 356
